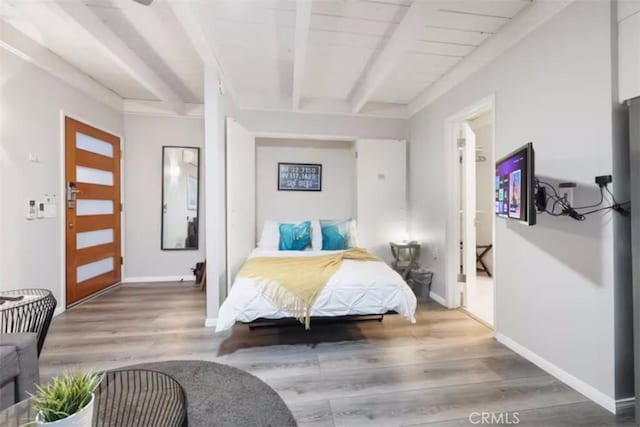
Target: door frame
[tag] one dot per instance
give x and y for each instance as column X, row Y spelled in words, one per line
column 453, row 230
column 62, row 304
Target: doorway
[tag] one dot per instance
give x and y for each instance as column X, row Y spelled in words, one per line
column 93, row 209
column 472, row 212
column 478, row 207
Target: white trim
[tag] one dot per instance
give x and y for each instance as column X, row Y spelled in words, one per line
column 482, row 121
column 210, row 322
column 156, row 279
column 589, row 391
column 63, row 214
column 62, row 200
column 58, row 311
column 509, row 35
column 625, row 404
column 453, row 231
column 437, row 298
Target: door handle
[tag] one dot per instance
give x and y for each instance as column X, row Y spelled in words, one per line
column 72, row 191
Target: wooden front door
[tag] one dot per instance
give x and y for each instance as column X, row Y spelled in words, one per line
column 92, row 210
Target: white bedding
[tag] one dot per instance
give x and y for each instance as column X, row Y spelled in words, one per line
column 357, row 288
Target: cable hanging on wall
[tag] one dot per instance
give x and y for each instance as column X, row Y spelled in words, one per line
column 548, row 200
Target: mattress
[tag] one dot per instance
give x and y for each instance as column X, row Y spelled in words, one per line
column 357, row 288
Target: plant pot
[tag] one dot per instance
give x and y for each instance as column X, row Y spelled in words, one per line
column 82, row 418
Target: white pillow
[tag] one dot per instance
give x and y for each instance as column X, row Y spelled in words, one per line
column 316, row 235
column 270, row 237
column 354, row 241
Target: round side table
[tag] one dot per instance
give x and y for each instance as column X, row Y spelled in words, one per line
column 139, row 397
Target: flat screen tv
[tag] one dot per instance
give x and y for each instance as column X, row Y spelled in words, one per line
column 515, row 186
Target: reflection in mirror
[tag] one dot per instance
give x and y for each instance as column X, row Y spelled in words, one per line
column 180, row 197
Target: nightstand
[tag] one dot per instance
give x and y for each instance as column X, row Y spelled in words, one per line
column 405, row 257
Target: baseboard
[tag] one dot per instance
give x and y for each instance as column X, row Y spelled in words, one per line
column 589, row 391
column 437, row 298
column 210, row 322
column 58, row 311
column 156, row 279
column 623, row 405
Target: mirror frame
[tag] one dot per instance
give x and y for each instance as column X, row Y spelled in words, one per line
column 164, row 149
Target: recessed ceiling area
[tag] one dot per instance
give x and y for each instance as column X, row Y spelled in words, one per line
column 339, row 56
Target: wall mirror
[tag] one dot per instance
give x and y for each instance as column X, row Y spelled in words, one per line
column 180, row 198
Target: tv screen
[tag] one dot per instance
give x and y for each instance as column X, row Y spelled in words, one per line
column 515, row 186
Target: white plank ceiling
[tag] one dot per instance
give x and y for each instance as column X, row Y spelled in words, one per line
column 341, row 47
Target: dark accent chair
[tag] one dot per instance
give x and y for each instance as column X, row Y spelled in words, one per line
column 19, row 361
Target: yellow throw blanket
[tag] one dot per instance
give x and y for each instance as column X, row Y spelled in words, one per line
column 292, row 284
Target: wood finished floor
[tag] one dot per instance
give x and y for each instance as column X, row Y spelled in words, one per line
column 434, row 373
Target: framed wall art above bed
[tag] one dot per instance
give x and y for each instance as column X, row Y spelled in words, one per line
column 299, row 177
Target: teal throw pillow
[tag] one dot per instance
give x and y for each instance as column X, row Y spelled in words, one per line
column 295, row 237
column 335, row 235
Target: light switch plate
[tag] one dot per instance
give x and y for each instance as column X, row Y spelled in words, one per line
column 50, row 207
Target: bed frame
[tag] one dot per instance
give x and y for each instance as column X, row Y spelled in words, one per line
column 290, row 321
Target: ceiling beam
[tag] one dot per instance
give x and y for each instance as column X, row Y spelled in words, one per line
column 303, row 21
column 28, row 49
column 156, row 108
column 326, row 107
column 204, row 46
column 510, row 34
column 80, row 14
column 399, row 43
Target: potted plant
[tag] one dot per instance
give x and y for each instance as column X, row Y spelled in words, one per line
column 66, row 401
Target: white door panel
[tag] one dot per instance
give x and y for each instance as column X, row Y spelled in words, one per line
column 469, row 207
column 241, row 197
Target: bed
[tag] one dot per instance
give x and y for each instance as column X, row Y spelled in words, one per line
column 358, row 288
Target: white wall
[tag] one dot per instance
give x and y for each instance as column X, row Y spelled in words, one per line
column 554, row 281
column 335, row 201
column 381, row 194
column 30, row 122
column 145, row 136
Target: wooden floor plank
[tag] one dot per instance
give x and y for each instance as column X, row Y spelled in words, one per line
column 421, row 405
column 583, row 414
column 312, row 414
column 389, row 373
column 342, row 383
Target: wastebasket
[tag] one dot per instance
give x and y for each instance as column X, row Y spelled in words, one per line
column 421, row 279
